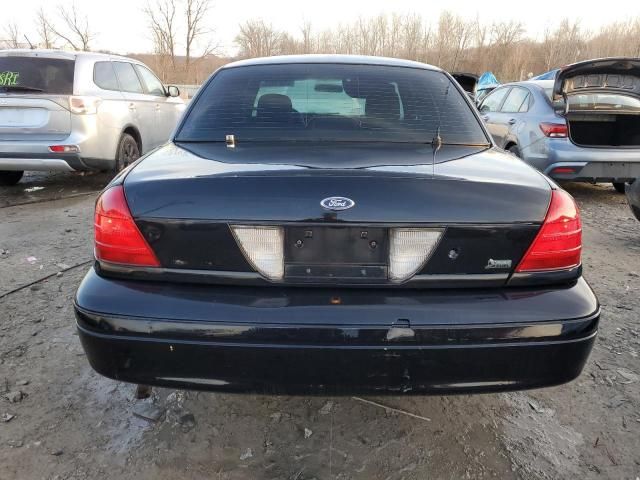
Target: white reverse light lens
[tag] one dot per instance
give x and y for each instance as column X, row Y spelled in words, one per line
column 409, row 249
column 263, row 247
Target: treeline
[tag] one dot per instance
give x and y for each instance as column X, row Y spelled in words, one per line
column 453, row 42
column 185, row 46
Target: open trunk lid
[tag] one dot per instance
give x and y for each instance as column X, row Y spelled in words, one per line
column 601, row 102
column 607, row 85
column 467, row 81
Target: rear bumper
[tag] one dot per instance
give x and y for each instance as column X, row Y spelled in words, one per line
column 594, row 171
column 96, row 151
column 591, row 164
column 41, row 162
column 65, row 162
column 294, row 341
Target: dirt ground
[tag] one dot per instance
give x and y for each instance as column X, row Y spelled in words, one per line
column 60, row 420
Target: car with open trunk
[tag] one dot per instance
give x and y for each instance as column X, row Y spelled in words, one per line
column 335, row 224
column 584, row 125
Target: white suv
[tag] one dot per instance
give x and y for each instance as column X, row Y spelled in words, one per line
column 79, row 111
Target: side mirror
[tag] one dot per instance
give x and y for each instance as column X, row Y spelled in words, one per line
column 173, row 91
column 484, row 108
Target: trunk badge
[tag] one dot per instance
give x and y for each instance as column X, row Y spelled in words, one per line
column 337, row 203
column 497, row 264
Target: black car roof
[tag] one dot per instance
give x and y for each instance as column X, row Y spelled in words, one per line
column 334, row 59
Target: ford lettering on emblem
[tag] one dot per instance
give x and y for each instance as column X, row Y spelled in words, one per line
column 337, row 203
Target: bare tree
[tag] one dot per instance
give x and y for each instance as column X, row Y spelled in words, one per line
column 162, row 23
column 307, row 41
column 416, row 38
column 43, row 27
column 563, row 44
column 74, row 28
column 257, row 39
column 12, row 31
column 196, row 12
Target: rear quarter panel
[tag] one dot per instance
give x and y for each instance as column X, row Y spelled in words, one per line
column 535, row 148
column 100, row 133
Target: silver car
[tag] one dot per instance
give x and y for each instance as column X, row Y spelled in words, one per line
column 584, row 125
column 79, row 111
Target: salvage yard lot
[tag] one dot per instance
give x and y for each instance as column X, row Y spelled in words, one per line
column 58, row 419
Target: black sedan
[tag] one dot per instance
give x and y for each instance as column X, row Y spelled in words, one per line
column 335, row 224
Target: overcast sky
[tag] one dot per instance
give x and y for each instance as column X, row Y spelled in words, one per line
column 120, row 25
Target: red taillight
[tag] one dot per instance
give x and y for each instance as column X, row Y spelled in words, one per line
column 117, row 238
column 554, row 130
column 64, row 148
column 563, row 170
column 558, row 244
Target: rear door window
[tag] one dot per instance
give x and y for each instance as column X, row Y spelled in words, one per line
column 36, row 75
column 515, row 100
column 154, row 86
column 104, row 76
column 494, row 100
column 127, row 77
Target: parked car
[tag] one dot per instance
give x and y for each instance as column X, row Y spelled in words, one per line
column 79, row 111
column 633, row 197
column 584, row 125
column 335, row 224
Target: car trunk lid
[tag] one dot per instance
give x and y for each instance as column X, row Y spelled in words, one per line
column 33, row 119
column 190, row 204
column 467, row 81
column 389, row 184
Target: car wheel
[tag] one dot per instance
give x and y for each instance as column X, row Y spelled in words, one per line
column 619, row 186
column 128, row 152
column 514, row 150
column 10, row 177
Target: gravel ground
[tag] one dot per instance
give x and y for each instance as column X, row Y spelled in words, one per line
column 60, row 420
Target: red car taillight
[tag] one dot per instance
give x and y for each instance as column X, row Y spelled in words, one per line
column 558, row 244
column 554, row 130
column 117, row 238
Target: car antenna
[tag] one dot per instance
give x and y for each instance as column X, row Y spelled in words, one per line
column 436, row 143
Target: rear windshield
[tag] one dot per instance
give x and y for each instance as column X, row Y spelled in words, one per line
column 36, row 75
column 329, row 102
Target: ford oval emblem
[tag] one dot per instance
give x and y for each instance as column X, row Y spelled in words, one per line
column 337, row 203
